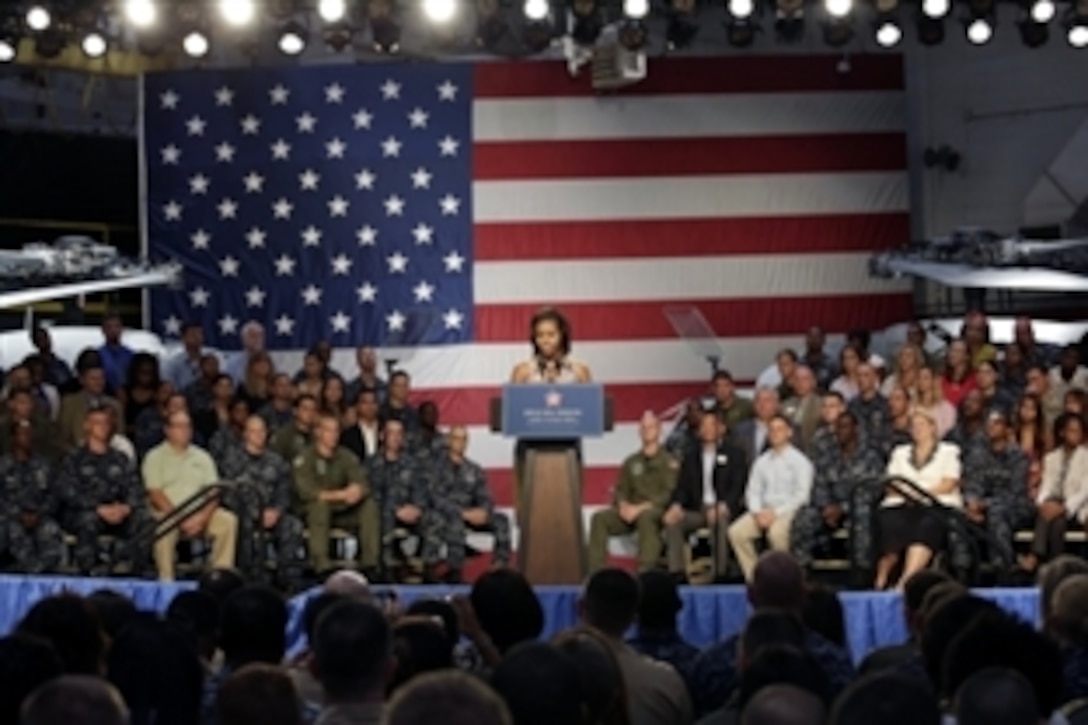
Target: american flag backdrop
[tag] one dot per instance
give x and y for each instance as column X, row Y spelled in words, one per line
column 432, row 208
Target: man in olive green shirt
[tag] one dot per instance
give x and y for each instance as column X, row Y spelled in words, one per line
column 332, row 489
column 291, row 440
column 732, row 408
column 645, row 488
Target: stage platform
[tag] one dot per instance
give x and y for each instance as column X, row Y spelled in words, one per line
column 873, row 619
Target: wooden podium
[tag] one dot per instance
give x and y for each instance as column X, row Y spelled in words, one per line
column 549, row 422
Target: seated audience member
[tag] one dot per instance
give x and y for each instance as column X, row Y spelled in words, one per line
column 68, row 623
column 428, row 441
column 201, row 394
column 351, row 584
column 174, row 472
column 995, row 489
column 100, row 492
column 221, row 582
column 943, row 623
column 778, row 583
column 299, row 669
column 784, row 705
column 997, row 639
column 366, row 361
column 779, row 484
column 750, row 434
column 463, row 503
column 816, row 358
column 364, row 437
column 150, row 428
column 844, row 472
column 1063, row 495
column 229, row 437
column 397, row 405
column 930, row 398
column 420, row 645
column 773, row 666
column 870, row 408
column 26, row 663
column 846, row 384
column 907, row 654
column 684, row 437
column 887, row 698
column 75, row 700
column 1068, row 626
column 911, row 526
column 157, row 672
column 731, row 408
column 604, row 692
column 645, row 487
column 333, row 490
column 996, row 697
column 803, row 408
column 292, row 439
column 449, row 697
column 655, row 691
column 439, row 611
column 709, row 491
column 507, row 608
column 29, row 534
column 656, row 635
column 75, row 407
column 994, row 397
column 258, row 693
column 540, row 685
column 1051, row 575
column 279, row 412
column 970, row 428
column 822, row 613
column 114, row 611
column 353, row 660
column 196, row 614
column 252, row 628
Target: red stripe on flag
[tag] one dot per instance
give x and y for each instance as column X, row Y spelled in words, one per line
column 597, row 482
column 689, row 157
column 472, row 406
column 729, row 318
column 692, row 237
column 686, row 76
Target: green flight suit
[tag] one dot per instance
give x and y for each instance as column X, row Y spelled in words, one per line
column 289, row 442
column 314, row 474
column 642, row 479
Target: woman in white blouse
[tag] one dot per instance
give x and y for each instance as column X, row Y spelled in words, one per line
column 930, row 399
column 910, row 526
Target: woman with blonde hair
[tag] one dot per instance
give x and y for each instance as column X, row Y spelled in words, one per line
column 906, row 528
column 908, row 361
column 930, row 399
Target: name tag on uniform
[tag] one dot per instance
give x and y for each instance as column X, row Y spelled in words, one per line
column 320, row 467
column 637, row 469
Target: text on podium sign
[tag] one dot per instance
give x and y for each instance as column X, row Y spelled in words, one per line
column 543, row 411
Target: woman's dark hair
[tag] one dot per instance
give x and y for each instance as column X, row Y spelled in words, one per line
column 441, row 609
column 822, row 613
column 158, row 672
column 71, row 625
column 604, row 691
column 114, row 610
column 1039, row 425
column 26, row 662
column 419, row 646
column 141, row 360
column 1064, row 421
column 507, row 608
column 550, row 314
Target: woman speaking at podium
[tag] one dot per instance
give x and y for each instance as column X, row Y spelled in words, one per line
column 549, row 334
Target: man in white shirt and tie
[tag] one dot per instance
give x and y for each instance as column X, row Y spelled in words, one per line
column 779, row 484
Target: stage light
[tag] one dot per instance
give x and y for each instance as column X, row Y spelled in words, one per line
column 293, row 38
column 1043, row 11
column 536, row 10
column 888, row 33
column 237, row 12
column 8, row 50
column 196, row 44
column 332, row 11
column 439, row 11
column 979, row 31
column 94, row 45
column 141, row 13
column 936, row 8
column 838, row 8
column 38, row 18
column 636, row 9
column 1077, row 35
column 741, row 9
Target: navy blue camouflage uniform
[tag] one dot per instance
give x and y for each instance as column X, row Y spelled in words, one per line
column 405, row 482
column 263, row 481
column 457, row 487
column 87, row 480
column 27, row 493
column 874, row 418
column 999, row 479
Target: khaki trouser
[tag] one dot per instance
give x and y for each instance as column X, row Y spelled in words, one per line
column 607, row 523
column 222, row 529
column 745, row 532
column 363, row 519
column 676, row 538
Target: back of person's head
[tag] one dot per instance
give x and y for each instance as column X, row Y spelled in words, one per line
column 68, row 623
column 75, row 700
column 604, row 691
column 887, row 698
column 610, row 601
column 315, row 607
column 1069, row 610
column 659, row 601
column 258, row 694
column 420, row 645
column 196, row 613
column 438, row 609
column 822, row 613
column 996, row 639
column 942, row 625
column 450, row 697
column 1053, row 573
column 351, row 584
column 778, row 665
column 778, row 582
column 784, row 705
column 507, row 608
column 221, row 582
column 352, row 651
column 939, row 595
column 26, row 663
column 770, row 628
column 114, row 610
column 540, row 684
column 915, row 590
column 253, row 626
column 996, row 697
column 157, row 671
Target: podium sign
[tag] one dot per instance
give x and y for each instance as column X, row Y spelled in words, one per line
column 553, row 412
